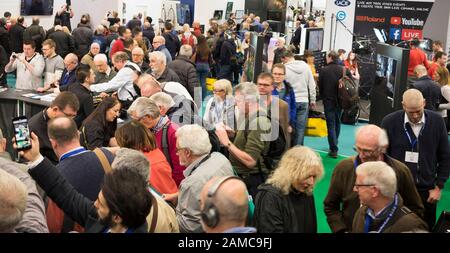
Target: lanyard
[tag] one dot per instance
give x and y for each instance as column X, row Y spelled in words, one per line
column 198, row 164
column 413, row 143
column 391, row 213
column 73, row 153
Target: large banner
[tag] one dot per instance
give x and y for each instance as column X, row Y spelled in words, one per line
column 394, row 21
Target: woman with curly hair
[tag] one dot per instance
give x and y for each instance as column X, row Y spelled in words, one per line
column 285, row 203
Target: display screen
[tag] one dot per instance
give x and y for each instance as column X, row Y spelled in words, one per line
column 36, row 7
column 22, row 133
column 386, row 70
column 315, row 39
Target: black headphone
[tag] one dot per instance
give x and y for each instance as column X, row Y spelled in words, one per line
column 210, row 214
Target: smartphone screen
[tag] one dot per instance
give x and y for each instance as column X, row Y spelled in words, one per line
column 22, row 133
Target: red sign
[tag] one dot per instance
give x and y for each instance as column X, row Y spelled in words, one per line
column 396, row 20
column 408, row 34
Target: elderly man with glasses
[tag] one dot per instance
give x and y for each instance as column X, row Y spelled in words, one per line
column 382, row 209
column 341, row 202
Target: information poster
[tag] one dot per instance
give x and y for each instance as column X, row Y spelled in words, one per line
column 391, row 21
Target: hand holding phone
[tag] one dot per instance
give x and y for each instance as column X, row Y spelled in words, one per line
column 21, row 133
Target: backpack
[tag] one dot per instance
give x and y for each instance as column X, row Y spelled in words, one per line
column 350, row 116
column 277, row 147
column 347, row 91
column 215, row 143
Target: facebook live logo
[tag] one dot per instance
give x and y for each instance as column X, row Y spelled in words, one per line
column 404, row 34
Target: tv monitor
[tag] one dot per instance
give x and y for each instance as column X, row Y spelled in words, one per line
column 314, row 39
column 36, row 7
column 386, row 70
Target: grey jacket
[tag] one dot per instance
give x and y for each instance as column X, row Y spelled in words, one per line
column 34, row 220
column 188, row 208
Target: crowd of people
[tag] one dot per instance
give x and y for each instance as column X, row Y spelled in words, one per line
column 125, row 147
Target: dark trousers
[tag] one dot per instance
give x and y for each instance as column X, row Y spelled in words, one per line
column 225, row 73
column 333, row 118
column 430, row 209
column 252, row 181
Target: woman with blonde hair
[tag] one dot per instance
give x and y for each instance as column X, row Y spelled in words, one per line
column 285, row 203
column 441, row 76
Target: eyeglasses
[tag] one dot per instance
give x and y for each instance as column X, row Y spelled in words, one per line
column 217, row 91
column 362, row 185
column 69, row 115
column 365, row 151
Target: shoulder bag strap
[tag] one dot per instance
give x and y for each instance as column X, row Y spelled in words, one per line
column 155, row 215
column 103, row 160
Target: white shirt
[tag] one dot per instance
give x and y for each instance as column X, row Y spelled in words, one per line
column 415, row 127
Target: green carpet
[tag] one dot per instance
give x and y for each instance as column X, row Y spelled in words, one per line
column 346, row 142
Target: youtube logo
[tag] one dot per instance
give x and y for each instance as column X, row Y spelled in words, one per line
column 396, row 20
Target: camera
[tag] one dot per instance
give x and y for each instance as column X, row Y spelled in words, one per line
column 14, row 56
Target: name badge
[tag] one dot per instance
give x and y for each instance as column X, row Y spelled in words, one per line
column 411, row 157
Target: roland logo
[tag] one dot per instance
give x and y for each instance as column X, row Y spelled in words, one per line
column 412, row 22
column 370, row 19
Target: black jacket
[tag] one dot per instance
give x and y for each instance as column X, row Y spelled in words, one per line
column 86, row 101
column 278, row 213
column 149, row 34
column 95, row 135
column 227, row 50
column 134, row 23
column 434, row 151
column 83, row 37
column 329, row 83
column 35, row 33
column 169, row 76
column 4, row 40
column 38, row 125
column 3, row 62
column 65, row 43
column 73, row 203
column 187, row 73
column 173, row 44
column 430, row 91
column 16, row 38
column 297, row 37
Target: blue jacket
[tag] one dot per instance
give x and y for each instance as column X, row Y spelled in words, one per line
column 434, row 151
column 289, row 98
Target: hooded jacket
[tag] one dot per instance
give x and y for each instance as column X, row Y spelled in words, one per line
column 299, row 75
column 279, row 213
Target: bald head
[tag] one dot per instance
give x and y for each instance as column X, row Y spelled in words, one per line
column 231, row 201
column 71, row 61
column 63, row 130
column 420, row 71
column 413, row 98
column 371, row 143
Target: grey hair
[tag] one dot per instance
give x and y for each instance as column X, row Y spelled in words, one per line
column 194, row 138
column 381, row 175
column 160, row 57
column 133, row 160
column 186, row 50
column 95, row 43
column 248, row 90
column 144, row 106
column 13, row 201
column 163, row 99
column 101, row 57
column 383, row 140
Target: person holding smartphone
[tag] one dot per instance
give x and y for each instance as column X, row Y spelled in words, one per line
column 65, row 13
column 29, row 65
